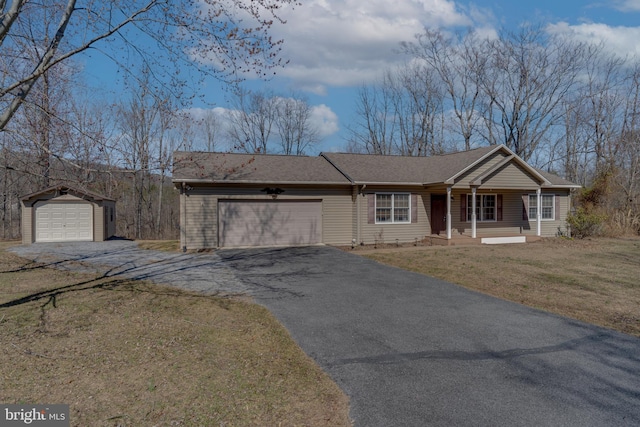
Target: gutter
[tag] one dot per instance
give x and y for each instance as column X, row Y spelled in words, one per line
column 261, row 182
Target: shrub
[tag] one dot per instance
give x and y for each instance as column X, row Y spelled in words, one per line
column 584, row 223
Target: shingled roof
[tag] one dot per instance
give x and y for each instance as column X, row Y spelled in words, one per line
column 253, row 168
column 337, row 168
column 365, row 168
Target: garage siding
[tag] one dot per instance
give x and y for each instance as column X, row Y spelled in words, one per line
column 27, row 224
column 200, row 219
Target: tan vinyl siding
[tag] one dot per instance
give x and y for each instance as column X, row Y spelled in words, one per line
column 200, row 218
column 478, row 170
column 98, row 223
column 27, row 224
column 389, row 233
column 512, row 222
column 337, row 226
column 512, row 175
column 558, row 225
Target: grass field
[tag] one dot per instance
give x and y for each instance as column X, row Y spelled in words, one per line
column 125, row 353
column 596, row 281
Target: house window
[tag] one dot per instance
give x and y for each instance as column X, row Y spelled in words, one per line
column 393, row 208
column 548, row 206
column 485, row 207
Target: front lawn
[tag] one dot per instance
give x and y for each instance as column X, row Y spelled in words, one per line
column 596, row 281
column 130, row 353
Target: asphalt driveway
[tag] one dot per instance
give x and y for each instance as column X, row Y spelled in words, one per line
column 408, row 349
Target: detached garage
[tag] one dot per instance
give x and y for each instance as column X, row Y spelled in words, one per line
column 65, row 214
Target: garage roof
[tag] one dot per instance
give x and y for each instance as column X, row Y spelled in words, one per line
column 253, row 168
column 64, row 189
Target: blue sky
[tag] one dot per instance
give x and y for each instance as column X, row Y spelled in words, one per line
column 335, row 46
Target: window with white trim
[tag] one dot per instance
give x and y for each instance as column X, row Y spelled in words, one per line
column 393, row 208
column 548, row 206
column 485, row 207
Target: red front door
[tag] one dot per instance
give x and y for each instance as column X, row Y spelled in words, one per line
column 438, row 213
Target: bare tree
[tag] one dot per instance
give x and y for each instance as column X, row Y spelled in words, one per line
column 211, row 125
column 252, row 121
column 373, row 132
column 226, row 39
column 418, row 110
column 143, row 121
column 530, row 74
column 459, row 63
column 293, row 122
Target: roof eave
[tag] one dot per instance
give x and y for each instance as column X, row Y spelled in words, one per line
column 94, row 196
column 451, row 180
column 412, row 184
column 570, row 186
column 259, row 182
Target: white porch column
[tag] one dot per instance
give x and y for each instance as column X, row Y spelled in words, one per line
column 448, row 219
column 473, row 213
column 538, row 213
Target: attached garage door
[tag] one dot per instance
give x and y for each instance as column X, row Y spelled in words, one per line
column 269, row 223
column 63, row 222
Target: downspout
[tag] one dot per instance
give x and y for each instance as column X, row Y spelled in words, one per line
column 355, row 233
column 183, row 217
column 474, row 217
column 569, row 213
column 538, row 212
column 448, row 219
column 359, row 213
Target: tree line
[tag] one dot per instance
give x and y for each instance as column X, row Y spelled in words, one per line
column 53, row 132
column 564, row 106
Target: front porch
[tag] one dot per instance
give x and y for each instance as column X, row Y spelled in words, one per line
column 465, row 239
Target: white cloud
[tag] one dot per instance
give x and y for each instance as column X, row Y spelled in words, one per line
column 627, row 5
column 325, row 120
column 348, row 42
column 619, row 40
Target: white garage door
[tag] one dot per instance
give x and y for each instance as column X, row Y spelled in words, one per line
column 63, row 222
column 269, row 223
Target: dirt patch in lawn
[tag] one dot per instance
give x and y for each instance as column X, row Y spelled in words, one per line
column 130, row 353
column 595, row 281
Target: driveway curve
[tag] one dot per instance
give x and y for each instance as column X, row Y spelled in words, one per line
column 409, row 350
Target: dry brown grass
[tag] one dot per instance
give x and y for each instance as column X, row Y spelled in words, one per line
column 596, row 281
column 126, row 353
column 159, row 245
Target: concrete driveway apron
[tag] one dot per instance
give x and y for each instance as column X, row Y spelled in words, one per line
column 410, row 350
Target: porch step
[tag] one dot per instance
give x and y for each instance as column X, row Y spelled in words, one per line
column 503, row 240
column 462, row 239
